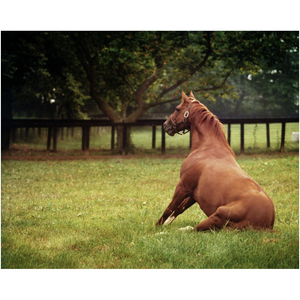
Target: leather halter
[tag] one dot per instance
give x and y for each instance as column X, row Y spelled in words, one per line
column 185, row 117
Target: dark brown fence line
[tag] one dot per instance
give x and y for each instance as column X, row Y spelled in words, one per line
column 54, row 125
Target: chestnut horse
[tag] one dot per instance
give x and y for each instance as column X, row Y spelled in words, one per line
column 211, row 176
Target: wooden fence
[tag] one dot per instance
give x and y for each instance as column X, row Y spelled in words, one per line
column 53, row 126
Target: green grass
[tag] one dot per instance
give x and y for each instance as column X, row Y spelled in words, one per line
column 100, row 140
column 101, row 214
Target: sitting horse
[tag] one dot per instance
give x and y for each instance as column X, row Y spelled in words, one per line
column 211, row 176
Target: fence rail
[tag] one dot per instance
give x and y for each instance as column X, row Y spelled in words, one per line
column 9, row 127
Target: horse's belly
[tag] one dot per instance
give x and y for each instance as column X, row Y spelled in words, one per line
column 221, row 188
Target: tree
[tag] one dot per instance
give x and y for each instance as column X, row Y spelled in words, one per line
column 272, row 92
column 35, row 76
column 130, row 72
column 277, row 87
column 22, row 68
column 127, row 73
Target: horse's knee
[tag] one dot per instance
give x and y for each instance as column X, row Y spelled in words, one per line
column 222, row 213
column 216, row 221
column 220, row 218
column 234, row 212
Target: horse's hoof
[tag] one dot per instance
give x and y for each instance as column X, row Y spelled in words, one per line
column 189, row 228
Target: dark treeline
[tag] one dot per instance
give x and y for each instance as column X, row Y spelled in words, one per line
column 125, row 76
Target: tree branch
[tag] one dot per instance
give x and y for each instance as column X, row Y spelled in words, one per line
column 144, row 86
column 192, row 72
column 83, row 54
column 215, row 87
column 128, row 83
column 87, row 62
column 159, row 65
column 195, row 90
column 147, row 106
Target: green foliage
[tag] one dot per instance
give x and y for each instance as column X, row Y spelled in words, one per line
column 266, row 87
column 126, row 73
column 272, row 92
column 101, row 214
column 37, row 77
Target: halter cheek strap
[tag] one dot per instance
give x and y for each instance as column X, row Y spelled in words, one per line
column 185, row 117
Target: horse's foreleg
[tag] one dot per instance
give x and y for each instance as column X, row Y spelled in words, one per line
column 185, row 204
column 180, row 202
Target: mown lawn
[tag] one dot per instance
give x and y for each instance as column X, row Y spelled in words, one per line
column 101, row 214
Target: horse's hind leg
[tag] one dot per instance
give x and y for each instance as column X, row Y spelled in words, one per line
column 188, row 202
column 231, row 215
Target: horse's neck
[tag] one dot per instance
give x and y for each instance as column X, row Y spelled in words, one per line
column 203, row 137
column 199, row 137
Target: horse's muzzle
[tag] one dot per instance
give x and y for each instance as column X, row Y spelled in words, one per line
column 168, row 128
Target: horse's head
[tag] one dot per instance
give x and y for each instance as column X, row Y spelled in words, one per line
column 179, row 120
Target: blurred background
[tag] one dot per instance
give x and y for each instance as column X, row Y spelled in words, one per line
column 117, row 77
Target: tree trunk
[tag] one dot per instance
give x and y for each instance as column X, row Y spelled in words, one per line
column 124, row 143
column 6, row 115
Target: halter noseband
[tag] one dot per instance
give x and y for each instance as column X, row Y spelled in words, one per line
column 185, row 117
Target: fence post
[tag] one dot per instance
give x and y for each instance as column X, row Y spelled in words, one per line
column 124, row 144
column 282, row 136
column 83, row 139
column 242, row 138
column 268, row 134
column 163, row 140
column 85, row 142
column 49, row 136
column 55, row 133
column 87, row 139
column 153, row 136
column 5, row 134
column 112, row 141
column 229, row 133
column 13, row 132
column 26, row 133
column 62, row 134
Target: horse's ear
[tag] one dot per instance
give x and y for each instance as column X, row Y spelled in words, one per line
column 184, row 96
column 192, row 95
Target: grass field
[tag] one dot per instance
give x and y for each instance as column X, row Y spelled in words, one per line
column 100, row 141
column 101, row 214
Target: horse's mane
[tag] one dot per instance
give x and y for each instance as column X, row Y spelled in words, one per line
column 201, row 114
